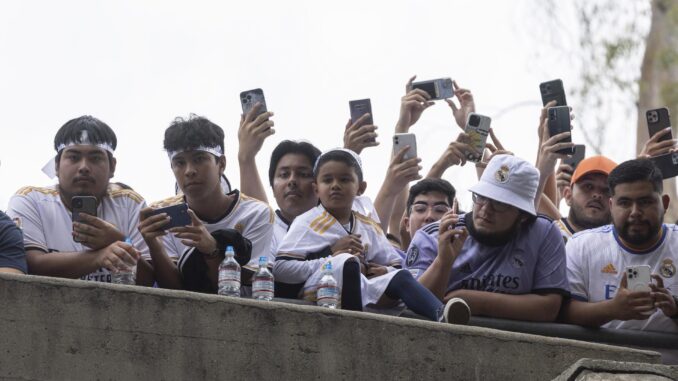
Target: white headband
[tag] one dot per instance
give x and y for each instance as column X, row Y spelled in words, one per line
column 348, row 151
column 50, row 167
column 216, row 151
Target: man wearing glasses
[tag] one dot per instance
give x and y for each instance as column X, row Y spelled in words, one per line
column 501, row 258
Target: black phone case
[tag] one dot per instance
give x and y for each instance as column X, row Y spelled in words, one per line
column 576, row 158
column 251, row 97
column 88, row 205
column 667, row 163
column 178, row 215
column 553, row 90
column 657, row 120
column 559, row 121
column 359, row 108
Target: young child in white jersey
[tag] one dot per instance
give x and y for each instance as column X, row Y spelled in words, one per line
column 366, row 266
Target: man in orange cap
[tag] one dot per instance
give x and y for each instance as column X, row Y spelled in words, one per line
column 588, row 196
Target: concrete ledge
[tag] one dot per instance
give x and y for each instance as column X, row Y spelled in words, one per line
column 68, row 329
column 588, row 369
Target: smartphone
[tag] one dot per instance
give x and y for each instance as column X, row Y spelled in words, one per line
column 477, row 128
column 576, row 158
column 559, row 122
column 251, row 97
column 638, row 278
column 359, row 108
column 667, row 164
column 553, row 91
column 83, row 205
column 402, row 140
column 437, row 89
column 178, row 215
column 657, row 120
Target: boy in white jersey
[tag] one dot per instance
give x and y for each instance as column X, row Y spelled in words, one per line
column 368, row 272
column 596, row 259
column 91, row 249
column 196, row 150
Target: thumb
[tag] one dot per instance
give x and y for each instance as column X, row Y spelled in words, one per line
column 623, row 283
column 195, row 221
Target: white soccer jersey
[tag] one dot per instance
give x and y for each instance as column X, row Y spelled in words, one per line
column 47, row 223
column 280, row 227
column 596, row 260
column 250, row 217
column 299, row 259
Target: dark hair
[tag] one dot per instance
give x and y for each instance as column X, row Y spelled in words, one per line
column 430, row 185
column 98, row 132
column 287, row 147
column 191, row 133
column 634, row 170
column 340, row 156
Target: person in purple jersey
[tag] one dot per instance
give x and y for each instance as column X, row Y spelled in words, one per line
column 500, row 258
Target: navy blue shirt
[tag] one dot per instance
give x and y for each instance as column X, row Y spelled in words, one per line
column 12, row 252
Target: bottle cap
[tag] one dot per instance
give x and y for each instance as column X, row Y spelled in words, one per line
column 263, row 260
column 328, row 265
column 229, row 248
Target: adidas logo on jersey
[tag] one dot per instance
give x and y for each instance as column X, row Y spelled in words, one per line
column 609, row 269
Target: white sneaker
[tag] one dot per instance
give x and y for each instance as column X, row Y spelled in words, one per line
column 456, row 312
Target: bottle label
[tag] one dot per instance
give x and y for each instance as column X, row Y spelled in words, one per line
column 262, row 288
column 229, row 276
column 327, row 293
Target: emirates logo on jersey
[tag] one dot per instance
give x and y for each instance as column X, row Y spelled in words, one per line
column 609, row 269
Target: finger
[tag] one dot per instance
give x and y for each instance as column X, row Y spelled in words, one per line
column 145, row 213
column 398, row 158
column 452, row 105
column 455, row 206
column 495, row 140
column 192, row 236
column 156, row 226
column 92, row 221
column 417, row 95
column 349, row 123
column 263, row 117
column 658, row 279
column 250, row 116
column 565, row 168
column 658, row 135
column 408, row 86
column 125, row 254
column 195, row 221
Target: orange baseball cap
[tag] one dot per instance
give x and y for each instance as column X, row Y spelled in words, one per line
column 593, row 164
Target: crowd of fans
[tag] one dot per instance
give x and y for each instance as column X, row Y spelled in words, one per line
column 512, row 256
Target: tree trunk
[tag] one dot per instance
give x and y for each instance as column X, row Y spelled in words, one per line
column 659, row 81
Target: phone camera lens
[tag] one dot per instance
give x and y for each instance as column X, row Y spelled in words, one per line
column 474, row 121
column 548, row 87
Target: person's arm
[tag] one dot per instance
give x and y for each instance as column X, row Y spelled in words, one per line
column 450, row 243
column 12, row 252
column 547, row 208
column 399, row 174
column 77, row 264
column 251, row 135
column 454, row 154
column 10, row 270
column 527, row 307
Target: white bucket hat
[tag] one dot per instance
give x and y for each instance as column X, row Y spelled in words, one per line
column 510, row 180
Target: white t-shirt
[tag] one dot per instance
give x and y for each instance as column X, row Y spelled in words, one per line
column 280, row 227
column 250, row 217
column 596, row 260
column 47, row 223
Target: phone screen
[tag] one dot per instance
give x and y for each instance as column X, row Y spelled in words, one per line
column 428, row 86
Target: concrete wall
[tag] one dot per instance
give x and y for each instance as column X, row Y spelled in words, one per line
column 69, row 330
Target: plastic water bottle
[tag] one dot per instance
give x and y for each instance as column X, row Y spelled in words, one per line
column 229, row 275
column 126, row 275
column 328, row 292
column 262, row 286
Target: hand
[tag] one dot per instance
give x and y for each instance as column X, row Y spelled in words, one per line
column 95, row 233
column 405, row 237
column 456, row 152
column 466, row 105
column 358, row 136
column 491, row 150
column 653, row 147
column 629, row 305
column 151, row 225
column 253, row 131
column 412, row 105
column 117, row 256
column 547, row 156
column 450, row 239
column 196, row 235
column 374, row 270
column 663, row 298
column 401, row 172
column 563, row 177
column 349, row 244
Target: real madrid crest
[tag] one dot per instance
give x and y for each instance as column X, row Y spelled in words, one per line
column 412, row 255
column 668, row 269
column 239, row 227
column 502, row 174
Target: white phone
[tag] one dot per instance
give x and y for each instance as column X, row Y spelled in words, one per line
column 477, row 128
column 402, row 140
column 638, row 278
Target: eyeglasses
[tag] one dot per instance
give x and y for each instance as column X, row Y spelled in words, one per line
column 437, row 208
column 496, row 205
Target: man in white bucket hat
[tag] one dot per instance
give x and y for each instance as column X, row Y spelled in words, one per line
column 501, row 258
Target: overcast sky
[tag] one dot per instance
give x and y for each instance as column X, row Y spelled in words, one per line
column 137, row 65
